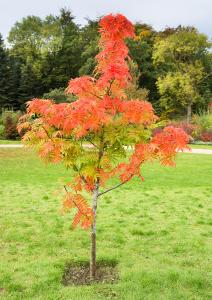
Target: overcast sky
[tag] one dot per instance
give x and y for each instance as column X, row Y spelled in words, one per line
column 158, row 13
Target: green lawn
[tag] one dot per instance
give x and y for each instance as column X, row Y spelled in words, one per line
column 159, row 232
column 195, row 146
column 9, row 142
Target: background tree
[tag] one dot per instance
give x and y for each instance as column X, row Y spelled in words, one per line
column 64, row 63
column 54, row 49
column 180, row 89
column 140, row 49
column 175, row 57
column 105, row 119
column 6, row 85
column 47, row 48
column 90, row 38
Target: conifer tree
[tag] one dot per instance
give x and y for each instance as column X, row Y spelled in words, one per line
column 3, row 74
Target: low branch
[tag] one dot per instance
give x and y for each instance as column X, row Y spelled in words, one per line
column 93, row 144
column 112, row 188
column 81, row 176
column 47, row 134
column 95, row 95
column 109, row 88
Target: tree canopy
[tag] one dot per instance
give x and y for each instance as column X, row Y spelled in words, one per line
column 44, row 53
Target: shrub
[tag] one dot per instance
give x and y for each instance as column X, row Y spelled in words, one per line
column 206, row 136
column 10, row 131
column 190, row 129
column 204, row 121
column 9, row 120
column 1, row 131
column 204, row 125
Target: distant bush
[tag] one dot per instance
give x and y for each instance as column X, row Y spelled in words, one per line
column 200, row 129
column 10, row 132
column 204, row 121
column 204, row 126
column 190, row 129
column 8, row 123
column 206, row 136
column 2, row 131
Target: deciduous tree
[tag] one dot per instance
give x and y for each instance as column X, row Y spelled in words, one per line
column 92, row 135
column 180, row 58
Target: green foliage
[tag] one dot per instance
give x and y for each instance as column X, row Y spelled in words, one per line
column 181, row 58
column 44, row 53
column 59, row 96
column 90, row 38
column 140, row 50
column 179, row 88
column 2, row 127
column 63, row 63
column 182, row 46
column 204, row 121
column 134, row 91
column 7, row 78
column 49, row 53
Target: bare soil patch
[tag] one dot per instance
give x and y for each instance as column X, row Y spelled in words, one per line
column 78, row 273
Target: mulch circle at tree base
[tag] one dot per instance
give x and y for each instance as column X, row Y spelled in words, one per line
column 79, row 274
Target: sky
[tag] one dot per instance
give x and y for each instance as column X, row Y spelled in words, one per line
column 158, row 13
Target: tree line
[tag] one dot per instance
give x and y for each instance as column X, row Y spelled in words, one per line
column 172, row 67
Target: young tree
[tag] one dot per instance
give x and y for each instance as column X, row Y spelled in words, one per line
column 93, row 134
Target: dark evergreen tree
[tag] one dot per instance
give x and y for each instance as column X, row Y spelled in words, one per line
column 30, row 86
column 140, row 50
column 63, row 64
column 90, row 37
column 4, row 74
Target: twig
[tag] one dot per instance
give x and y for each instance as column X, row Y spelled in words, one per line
column 93, row 144
column 113, row 188
column 47, row 134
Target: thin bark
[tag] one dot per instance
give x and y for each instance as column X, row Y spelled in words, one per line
column 112, row 188
column 189, row 112
column 93, row 234
column 94, row 208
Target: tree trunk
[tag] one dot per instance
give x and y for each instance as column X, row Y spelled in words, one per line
column 93, row 234
column 189, row 112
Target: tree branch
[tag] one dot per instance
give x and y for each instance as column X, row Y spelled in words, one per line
column 113, row 188
column 47, row 134
column 109, row 88
column 93, row 144
column 95, row 95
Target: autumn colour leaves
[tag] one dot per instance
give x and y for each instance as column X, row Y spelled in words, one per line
column 92, row 135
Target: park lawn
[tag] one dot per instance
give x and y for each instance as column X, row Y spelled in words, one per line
column 200, row 146
column 8, row 142
column 193, row 146
column 158, row 231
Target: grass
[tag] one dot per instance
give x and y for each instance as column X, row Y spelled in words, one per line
column 158, row 231
column 200, row 146
column 3, row 142
column 194, row 146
